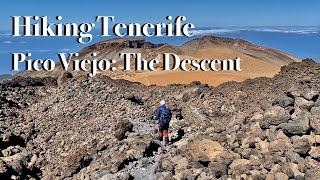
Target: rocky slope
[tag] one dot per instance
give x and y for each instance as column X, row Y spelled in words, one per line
column 100, row 128
column 256, row 61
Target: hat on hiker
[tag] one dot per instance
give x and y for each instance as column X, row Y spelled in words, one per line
column 162, row 102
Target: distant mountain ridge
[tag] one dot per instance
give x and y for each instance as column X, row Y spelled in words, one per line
column 257, row 60
column 5, row 77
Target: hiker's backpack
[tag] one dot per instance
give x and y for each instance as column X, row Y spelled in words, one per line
column 165, row 115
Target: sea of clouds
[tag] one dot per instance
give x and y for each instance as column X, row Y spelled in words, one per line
column 293, row 30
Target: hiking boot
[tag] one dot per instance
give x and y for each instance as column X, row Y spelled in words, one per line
column 166, row 140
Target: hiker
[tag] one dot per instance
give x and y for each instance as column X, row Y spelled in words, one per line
column 164, row 115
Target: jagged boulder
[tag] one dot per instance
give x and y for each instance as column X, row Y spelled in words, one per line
column 280, row 176
column 208, row 150
column 303, row 103
column 182, row 163
column 315, row 120
column 300, row 145
column 311, row 95
column 317, row 103
column 121, row 128
column 11, row 150
column 18, row 162
column 312, row 174
column 276, row 115
column 217, row 169
column 3, row 168
column 300, row 125
column 279, row 146
column 284, row 102
column 239, row 165
column 315, row 152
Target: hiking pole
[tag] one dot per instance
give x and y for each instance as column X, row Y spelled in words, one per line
column 154, row 131
column 154, row 128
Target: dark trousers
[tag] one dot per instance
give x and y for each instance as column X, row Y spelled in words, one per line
column 163, row 130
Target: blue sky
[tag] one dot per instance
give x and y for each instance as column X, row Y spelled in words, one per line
column 201, row 13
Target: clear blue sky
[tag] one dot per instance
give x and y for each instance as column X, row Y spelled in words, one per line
column 201, row 13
